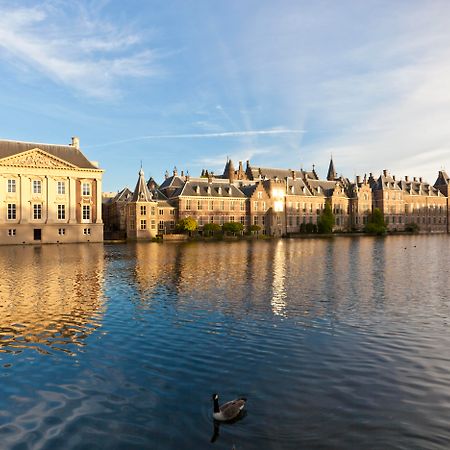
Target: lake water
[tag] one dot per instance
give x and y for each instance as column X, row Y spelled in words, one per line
column 336, row 343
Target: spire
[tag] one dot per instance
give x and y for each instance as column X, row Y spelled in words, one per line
column 331, row 176
column 141, row 192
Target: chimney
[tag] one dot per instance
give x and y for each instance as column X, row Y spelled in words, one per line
column 385, row 172
column 210, row 177
column 75, row 142
column 182, row 173
column 393, row 177
column 420, row 179
column 293, row 174
column 358, row 179
column 415, row 179
column 406, row 178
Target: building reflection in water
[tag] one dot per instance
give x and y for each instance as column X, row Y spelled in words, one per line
column 278, row 301
column 51, row 297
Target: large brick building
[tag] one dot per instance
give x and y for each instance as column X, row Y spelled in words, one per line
column 282, row 201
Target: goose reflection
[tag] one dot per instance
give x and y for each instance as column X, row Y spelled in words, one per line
column 217, row 425
column 51, row 299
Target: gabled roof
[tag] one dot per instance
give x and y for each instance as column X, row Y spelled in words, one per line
column 141, row 192
column 123, row 196
column 322, row 187
column 171, row 182
column 270, row 173
column 67, row 153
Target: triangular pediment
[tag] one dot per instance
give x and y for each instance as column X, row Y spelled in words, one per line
column 36, row 158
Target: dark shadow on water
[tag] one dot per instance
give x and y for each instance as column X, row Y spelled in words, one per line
column 217, row 425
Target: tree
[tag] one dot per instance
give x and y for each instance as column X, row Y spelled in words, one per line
column 254, row 228
column 210, row 229
column 412, row 227
column 188, row 224
column 232, row 227
column 376, row 223
column 326, row 220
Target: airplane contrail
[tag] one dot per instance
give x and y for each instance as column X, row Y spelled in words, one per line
column 202, row 135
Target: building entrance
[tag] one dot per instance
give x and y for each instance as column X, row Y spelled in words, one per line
column 37, row 234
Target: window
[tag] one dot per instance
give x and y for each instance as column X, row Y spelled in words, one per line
column 242, row 206
column 86, row 212
column 12, row 232
column 260, row 194
column 87, row 231
column 153, row 224
column 232, row 205
column 242, row 220
column 255, row 220
column 37, row 211
column 161, row 224
column 86, row 189
column 143, row 224
column 61, row 231
column 61, row 212
column 231, row 218
column 172, row 224
column 188, row 205
column 263, row 220
column 11, row 211
column 199, row 205
column 161, row 212
column 143, row 210
column 255, row 206
column 11, row 185
column 37, row 187
column 153, row 210
column 222, row 205
column 61, row 187
column 211, row 205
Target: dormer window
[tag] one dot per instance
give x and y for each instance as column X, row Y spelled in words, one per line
column 219, row 190
column 318, row 189
column 208, row 190
column 197, row 189
column 229, row 191
column 292, row 189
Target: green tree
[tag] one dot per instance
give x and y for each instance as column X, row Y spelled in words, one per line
column 232, row 227
column 254, row 228
column 412, row 227
column 210, row 229
column 326, row 220
column 376, row 223
column 187, row 225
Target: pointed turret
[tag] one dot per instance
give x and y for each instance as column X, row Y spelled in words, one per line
column 331, row 176
column 141, row 192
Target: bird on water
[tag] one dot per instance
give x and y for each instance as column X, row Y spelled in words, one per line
column 228, row 411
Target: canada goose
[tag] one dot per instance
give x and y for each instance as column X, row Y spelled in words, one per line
column 228, row 411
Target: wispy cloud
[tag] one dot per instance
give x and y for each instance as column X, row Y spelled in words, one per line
column 90, row 56
column 225, row 134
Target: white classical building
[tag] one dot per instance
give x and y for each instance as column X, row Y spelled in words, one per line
column 49, row 194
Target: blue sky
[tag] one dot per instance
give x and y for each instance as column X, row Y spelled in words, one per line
column 188, row 83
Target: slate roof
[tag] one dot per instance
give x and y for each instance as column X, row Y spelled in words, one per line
column 385, row 182
column 65, row 152
column 271, row 173
column 415, row 187
column 297, row 187
column 201, row 187
column 322, row 187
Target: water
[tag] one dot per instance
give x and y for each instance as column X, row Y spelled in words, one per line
column 336, row 343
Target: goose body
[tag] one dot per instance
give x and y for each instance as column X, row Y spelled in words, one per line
column 228, row 411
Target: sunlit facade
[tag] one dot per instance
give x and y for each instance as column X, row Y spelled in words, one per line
column 49, row 194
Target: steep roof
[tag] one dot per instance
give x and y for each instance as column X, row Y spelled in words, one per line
column 67, row 153
column 141, row 192
column 331, row 172
column 201, row 187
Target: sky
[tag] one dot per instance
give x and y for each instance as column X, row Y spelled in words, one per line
column 188, row 83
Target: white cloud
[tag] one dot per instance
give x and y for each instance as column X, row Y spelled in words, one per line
column 88, row 54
